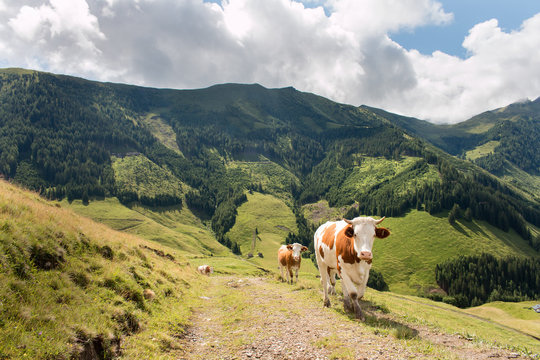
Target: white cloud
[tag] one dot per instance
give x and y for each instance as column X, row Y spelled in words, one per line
column 344, row 54
column 382, row 16
column 502, row 68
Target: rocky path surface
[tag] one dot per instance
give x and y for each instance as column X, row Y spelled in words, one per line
column 258, row 318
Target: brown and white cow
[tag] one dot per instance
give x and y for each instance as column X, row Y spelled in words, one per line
column 344, row 248
column 205, row 269
column 289, row 259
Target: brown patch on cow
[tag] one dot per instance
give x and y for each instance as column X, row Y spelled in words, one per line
column 321, row 252
column 285, row 257
column 329, row 235
column 345, row 248
column 282, row 256
column 381, row 232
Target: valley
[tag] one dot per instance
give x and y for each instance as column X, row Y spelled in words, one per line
column 241, row 311
column 114, row 194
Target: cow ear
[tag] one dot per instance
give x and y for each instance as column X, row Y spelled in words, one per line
column 304, row 248
column 349, row 231
column 289, row 246
column 381, row 232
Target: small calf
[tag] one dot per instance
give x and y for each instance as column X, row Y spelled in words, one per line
column 205, row 269
column 289, row 259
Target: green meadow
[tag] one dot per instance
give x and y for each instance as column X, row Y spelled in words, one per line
column 419, row 241
column 175, row 227
column 67, row 280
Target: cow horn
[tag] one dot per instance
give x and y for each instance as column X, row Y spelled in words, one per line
column 348, row 221
column 380, row 220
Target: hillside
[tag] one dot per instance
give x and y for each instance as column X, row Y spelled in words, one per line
column 503, row 141
column 180, row 167
column 72, row 288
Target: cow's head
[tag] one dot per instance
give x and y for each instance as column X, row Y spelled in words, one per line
column 297, row 249
column 364, row 230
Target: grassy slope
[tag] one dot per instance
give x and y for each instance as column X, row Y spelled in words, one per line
column 173, row 227
column 273, row 220
column 273, row 178
column 374, row 171
column 482, row 150
column 161, row 130
column 87, row 294
column 454, row 320
column 90, row 296
column 518, row 315
column 419, row 241
column 140, row 175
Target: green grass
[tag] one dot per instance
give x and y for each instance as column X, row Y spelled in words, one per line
column 66, row 280
column 161, row 130
column 525, row 183
column 140, row 175
column 449, row 319
column 175, row 227
column 273, row 220
column 519, row 315
column 482, row 150
column 374, row 171
column 418, row 242
column 273, row 178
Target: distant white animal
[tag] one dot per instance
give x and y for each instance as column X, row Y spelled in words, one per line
column 205, row 269
column 289, row 259
column 344, row 248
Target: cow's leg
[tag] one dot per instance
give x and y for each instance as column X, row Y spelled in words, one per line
column 289, row 275
column 296, row 274
column 352, row 292
column 332, row 283
column 362, row 287
column 347, row 306
column 282, row 275
column 323, row 269
column 357, row 310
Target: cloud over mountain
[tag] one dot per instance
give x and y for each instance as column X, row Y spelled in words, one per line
column 342, row 52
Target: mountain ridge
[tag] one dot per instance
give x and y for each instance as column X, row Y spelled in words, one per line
column 58, row 135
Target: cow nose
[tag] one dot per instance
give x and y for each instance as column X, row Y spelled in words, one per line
column 366, row 255
column 296, row 258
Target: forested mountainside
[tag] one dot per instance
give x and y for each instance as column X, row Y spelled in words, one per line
column 503, row 141
column 67, row 137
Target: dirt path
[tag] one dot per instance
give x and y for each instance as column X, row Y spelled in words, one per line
column 257, row 318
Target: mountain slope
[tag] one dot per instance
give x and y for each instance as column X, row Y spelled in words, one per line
column 504, row 141
column 73, row 288
column 75, row 139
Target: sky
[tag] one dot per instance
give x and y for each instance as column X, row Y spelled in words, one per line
column 442, row 61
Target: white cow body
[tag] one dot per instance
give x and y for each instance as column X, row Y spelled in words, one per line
column 205, row 269
column 344, row 248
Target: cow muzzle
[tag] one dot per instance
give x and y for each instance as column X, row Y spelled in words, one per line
column 366, row 255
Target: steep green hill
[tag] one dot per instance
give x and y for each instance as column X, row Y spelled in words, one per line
column 184, row 160
column 504, row 141
column 74, row 288
column 419, row 242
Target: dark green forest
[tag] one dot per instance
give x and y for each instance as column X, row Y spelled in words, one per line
column 475, row 280
column 57, row 134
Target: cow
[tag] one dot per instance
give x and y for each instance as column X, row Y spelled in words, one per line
column 289, row 260
column 344, row 248
column 205, row 269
